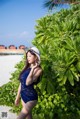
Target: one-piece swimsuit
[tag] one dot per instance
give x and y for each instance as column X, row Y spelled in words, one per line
column 28, row 93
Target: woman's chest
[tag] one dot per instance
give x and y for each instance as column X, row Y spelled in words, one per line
column 24, row 75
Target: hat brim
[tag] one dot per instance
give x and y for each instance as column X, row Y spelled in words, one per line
column 38, row 57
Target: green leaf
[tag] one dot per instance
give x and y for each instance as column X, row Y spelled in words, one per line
column 70, row 77
column 78, row 66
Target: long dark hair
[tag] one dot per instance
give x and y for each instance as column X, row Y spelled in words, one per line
column 27, row 65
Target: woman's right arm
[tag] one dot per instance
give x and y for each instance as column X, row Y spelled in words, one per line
column 17, row 100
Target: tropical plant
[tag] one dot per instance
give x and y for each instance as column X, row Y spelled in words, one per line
column 50, row 4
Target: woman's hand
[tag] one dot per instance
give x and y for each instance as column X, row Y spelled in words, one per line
column 36, row 65
column 17, row 101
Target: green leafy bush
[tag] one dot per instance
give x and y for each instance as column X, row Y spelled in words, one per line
column 58, row 38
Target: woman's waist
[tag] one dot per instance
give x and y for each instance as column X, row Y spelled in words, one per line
column 28, row 91
column 29, row 88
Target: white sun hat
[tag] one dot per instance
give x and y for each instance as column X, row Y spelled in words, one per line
column 36, row 52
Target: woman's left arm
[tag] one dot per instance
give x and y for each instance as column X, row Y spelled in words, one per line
column 33, row 75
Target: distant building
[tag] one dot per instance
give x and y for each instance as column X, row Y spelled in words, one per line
column 5, row 47
column 22, row 47
column 2, row 47
column 12, row 47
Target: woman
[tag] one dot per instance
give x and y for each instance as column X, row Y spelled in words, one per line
column 29, row 76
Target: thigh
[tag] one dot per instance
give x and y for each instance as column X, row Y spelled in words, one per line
column 30, row 105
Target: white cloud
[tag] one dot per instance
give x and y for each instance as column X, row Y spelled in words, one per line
column 23, row 34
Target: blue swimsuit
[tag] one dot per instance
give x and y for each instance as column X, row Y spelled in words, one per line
column 28, row 93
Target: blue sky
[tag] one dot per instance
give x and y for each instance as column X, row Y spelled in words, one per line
column 18, row 20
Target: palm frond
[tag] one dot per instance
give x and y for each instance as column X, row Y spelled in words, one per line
column 50, row 4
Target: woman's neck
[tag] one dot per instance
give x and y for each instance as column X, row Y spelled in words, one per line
column 32, row 65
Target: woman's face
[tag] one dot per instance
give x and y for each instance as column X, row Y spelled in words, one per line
column 31, row 58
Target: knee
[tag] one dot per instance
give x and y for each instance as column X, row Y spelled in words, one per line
column 23, row 114
column 24, row 110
